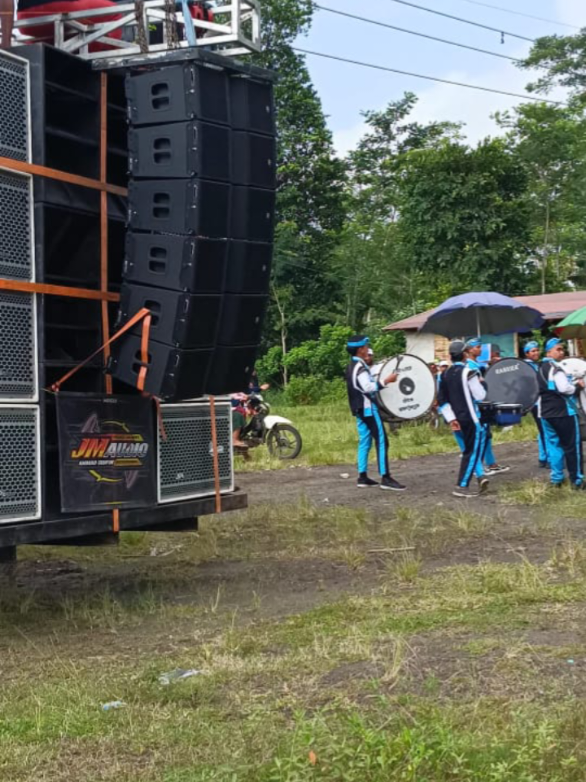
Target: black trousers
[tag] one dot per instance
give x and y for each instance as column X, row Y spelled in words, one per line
column 475, row 437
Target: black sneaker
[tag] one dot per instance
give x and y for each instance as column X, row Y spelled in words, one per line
column 483, row 484
column 543, row 465
column 579, row 486
column 364, row 482
column 466, row 491
column 494, row 468
column 391, row 484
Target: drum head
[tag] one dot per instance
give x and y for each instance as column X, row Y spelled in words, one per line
column 576, row 368
column 413, row 394
column 511, row 381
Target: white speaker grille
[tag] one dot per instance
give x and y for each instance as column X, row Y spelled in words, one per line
column 18, row 347
column 19, row 464
column 14, row 107
column 16, row 236
column 185, row 464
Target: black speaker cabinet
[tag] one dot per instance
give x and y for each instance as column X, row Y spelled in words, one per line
column 181, row 263
column 65, row 94
column 172, row 373
column 182, row 319
column 180, row 206
column 67, row 245
column 252, row 105
column 230, row 369
column 242, row 319
column 254, row 160
column 177, row 93
column 249, row 267
column 184, row 149
column 253, row 214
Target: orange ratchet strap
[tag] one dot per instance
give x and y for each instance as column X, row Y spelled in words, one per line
column 143, row 315
column 57, row 290
column 215, row 455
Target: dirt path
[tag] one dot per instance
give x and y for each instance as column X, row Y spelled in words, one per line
column 429, row 481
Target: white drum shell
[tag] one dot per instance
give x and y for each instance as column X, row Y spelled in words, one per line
column 575, row 368
column 413, row 394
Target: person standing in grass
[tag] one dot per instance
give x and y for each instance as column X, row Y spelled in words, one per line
column 461, row 389
column 532, row 353
column 362, row 389
column 558, row 411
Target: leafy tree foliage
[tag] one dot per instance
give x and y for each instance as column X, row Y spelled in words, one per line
column 464, row 215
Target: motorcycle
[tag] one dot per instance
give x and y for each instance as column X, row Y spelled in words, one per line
column 280, row 436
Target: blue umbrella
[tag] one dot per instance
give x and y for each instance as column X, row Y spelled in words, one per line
column 481, row 313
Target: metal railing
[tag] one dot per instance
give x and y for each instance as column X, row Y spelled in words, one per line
column 234, row 31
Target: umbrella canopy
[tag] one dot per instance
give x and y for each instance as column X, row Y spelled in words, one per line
column 573, row 326
column 481, row 313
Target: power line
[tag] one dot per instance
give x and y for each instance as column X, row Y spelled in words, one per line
column 427, row 78
column 464, row 21
column 520, row 13
column 414, row 32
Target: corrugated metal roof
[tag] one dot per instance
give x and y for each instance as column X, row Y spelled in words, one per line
column 553, row 306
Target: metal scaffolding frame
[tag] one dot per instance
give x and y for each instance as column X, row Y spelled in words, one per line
column 235, row 30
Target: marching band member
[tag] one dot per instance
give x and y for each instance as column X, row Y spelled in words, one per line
column 362, row 388
column 533, row 357
column 461, row 389
column 559, row 416
column 473, row 351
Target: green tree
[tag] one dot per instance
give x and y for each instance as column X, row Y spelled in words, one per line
column 377, row 277
column 310, row 207
column 465, row 217
column 561, row 60
column 550, row 141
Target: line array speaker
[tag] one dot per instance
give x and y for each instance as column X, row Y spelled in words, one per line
column 202, row 157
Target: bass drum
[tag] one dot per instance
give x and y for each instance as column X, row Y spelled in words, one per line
column 575, row 368
column 512, row 381
column 413, row 394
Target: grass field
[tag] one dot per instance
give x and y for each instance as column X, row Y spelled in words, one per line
column 329, row 437
column 419, row 644
column 405, row 655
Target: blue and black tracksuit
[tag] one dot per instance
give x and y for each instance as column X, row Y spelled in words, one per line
column 559, row 416
column 460, row 391
column 361, row 396
column 541, row 443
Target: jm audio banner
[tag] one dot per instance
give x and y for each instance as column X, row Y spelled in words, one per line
column 107, row 448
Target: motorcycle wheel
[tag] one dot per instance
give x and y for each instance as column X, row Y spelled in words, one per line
column 284, row 442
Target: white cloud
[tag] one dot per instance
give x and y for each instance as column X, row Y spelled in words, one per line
column 442, row 102
column 445, row 102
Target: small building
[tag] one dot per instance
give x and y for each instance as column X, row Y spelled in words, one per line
column 553, row 306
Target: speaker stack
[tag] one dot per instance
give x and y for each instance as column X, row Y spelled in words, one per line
column 65, row 135
column 20, row 469
column 201, row 210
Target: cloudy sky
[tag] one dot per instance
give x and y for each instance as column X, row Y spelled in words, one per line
column 346, row 90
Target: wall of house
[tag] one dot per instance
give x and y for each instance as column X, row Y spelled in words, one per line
column 421, row 345
column 430, row 347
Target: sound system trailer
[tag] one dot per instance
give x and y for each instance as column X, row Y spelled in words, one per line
column 191, row 135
